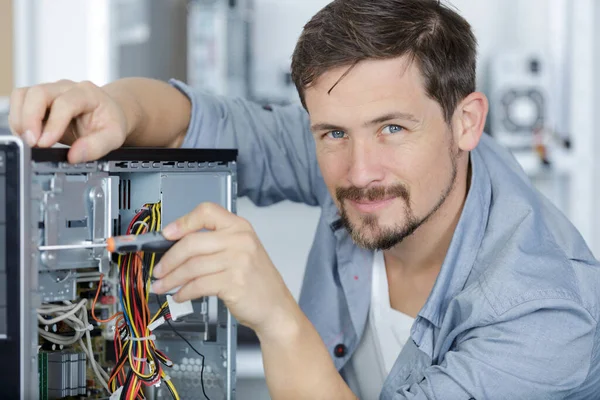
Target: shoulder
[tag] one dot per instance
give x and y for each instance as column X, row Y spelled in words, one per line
column 530, row 250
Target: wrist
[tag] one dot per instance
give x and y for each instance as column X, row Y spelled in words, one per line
column 283, row 326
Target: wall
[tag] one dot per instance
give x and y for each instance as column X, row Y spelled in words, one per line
column 6, row 47
column 277, row 26
column 166, row 22
column 585, row 99
column 80, row 49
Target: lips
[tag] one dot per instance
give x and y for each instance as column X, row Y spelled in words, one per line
column 370, row 206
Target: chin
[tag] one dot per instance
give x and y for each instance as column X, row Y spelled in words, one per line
column 368, row 232
column 376, row 222
column 371, row 235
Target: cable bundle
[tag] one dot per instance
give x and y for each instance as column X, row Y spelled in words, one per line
column 139, row 362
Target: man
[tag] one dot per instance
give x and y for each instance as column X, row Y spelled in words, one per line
column 437, row 271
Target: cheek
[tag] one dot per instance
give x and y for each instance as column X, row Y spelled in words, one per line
column 423, row 169
column 333, row 166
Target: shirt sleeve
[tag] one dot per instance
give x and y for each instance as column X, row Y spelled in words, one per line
column 541, row 354
column 276, row 154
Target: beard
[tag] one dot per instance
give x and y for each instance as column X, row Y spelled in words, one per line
column 384, row 238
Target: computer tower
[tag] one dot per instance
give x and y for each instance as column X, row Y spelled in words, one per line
column 45, row 201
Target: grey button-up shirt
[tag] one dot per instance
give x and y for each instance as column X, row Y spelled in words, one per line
column 513, row 313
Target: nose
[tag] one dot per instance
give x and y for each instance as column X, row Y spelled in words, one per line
column 366, row 164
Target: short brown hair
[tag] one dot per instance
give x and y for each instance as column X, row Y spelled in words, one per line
column 346, row 32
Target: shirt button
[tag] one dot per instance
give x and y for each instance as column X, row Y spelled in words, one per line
column 340, row 350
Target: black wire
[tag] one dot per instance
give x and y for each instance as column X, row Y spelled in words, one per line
column 193, row 348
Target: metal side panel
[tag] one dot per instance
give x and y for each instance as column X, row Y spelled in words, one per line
column 182, row 192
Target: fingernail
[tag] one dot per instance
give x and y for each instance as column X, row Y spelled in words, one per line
column 157, row 286
column 157, row 270
column 29, row 138
column 170, row 230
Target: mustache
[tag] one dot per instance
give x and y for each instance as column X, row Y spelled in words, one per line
column 378, row 193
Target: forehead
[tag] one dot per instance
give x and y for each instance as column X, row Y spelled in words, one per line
column 369, row 84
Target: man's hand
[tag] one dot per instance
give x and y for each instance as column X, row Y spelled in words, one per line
column 94, row 120
column 79, row 114
column 226, row 260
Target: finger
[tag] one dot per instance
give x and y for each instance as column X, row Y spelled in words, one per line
column 36, row 102
column 193, row 268
column 193, row 245
column 79, row 99
column 209, row 216
column 209, row 285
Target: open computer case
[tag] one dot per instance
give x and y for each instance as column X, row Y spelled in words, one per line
column 50, row 351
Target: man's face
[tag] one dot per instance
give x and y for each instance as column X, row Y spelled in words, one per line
column 386, row 153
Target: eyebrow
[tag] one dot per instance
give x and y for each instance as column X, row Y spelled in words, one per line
column 322, row 126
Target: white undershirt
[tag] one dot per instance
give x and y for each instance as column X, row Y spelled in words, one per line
column 386, row 332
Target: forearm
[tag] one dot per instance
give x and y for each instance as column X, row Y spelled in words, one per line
column 297, row 364
column 157, row 114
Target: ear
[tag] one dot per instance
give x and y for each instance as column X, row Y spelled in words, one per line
column 469, row 120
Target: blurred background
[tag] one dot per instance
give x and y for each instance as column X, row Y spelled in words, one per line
column 538, row 63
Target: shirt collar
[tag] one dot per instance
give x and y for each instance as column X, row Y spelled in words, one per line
column 464, row 245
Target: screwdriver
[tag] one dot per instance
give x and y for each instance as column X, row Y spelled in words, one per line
column 152, row 242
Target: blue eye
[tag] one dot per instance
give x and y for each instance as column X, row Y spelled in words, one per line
column 336, row 134
column 391, row 129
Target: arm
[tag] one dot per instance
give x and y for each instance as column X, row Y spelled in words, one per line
column 545, row 352
column 276, row 151
column 296, row 362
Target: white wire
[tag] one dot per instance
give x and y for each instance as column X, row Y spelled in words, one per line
column 100, row 373
column 67, row 316
column 58, row 309
column 60, row 339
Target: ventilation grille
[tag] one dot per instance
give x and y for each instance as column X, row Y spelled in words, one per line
column 125, row 194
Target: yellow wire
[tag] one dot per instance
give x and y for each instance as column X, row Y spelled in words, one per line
column 170, row 384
